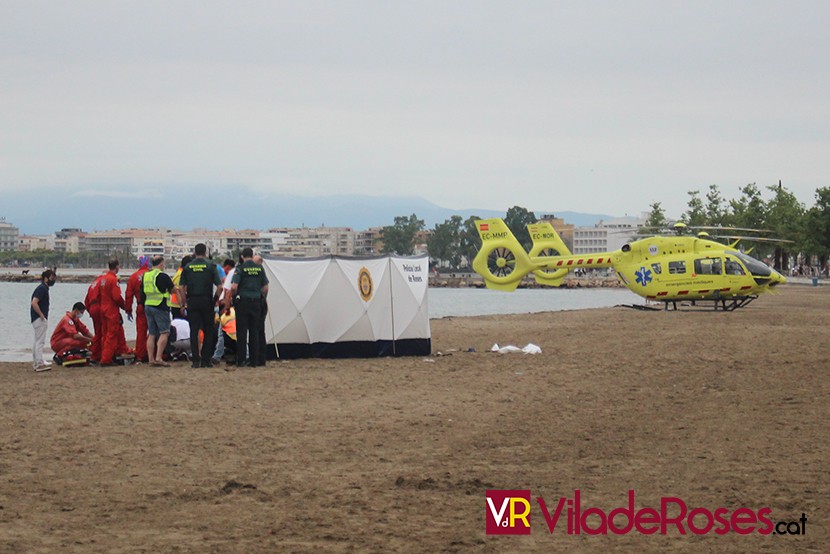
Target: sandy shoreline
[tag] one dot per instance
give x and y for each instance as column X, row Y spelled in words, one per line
column 395, row 454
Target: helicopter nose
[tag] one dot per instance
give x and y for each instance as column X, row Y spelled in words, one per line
column 776, row 279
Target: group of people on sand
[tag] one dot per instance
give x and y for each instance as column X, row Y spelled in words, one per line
column 212, row 309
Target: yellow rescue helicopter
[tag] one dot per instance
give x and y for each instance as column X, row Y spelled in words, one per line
column 661, row 268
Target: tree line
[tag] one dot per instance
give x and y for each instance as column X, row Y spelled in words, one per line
column 807, row 230
column 454, row 243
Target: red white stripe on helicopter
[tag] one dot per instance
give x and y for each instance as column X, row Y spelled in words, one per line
column 581, row 261
column 701, row 291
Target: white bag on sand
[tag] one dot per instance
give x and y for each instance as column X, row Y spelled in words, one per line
column 529, row 349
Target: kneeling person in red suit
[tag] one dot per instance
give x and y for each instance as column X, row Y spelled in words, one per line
column 71, row 332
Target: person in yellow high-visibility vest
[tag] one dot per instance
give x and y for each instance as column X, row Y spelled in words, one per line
column 175, row 302
column 156, row 287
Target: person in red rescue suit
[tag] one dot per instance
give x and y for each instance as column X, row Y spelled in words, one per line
column 93, row 306
column 113, row 341
column 133, row 288
column 71, row 332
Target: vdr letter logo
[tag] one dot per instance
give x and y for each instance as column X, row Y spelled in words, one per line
column 508, row 512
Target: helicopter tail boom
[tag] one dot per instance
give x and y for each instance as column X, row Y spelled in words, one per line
column 503, row 262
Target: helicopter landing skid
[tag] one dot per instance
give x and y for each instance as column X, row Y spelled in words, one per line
column 718, row 304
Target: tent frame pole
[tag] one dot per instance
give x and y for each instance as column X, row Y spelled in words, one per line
column 391, row 302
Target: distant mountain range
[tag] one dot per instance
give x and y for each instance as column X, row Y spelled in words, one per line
column 192, row 207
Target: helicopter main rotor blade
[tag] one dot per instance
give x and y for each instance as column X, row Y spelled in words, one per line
column 720, row 228
column 750, row 239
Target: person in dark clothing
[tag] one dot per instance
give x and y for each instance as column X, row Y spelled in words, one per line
column 39, row 312
column 201, row 287
column 251, row 285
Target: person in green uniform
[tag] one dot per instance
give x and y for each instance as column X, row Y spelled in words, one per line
column 201, row 286
column 251, row 285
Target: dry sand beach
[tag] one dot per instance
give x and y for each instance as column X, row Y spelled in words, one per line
column 386, row 455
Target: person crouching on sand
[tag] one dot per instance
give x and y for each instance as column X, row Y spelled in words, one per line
column 71, row 332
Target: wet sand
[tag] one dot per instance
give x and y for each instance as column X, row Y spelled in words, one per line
column 380, row 455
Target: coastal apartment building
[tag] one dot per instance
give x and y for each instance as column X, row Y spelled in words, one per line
column 606, row 236
column 175, row 244
column 172, row 243
column 366, row 242
column 65, row 240
column 70, row 241
column 310, row 242
column 9, row 235
column 30, row 243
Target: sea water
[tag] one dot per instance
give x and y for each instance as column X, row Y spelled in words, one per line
column 17, row 336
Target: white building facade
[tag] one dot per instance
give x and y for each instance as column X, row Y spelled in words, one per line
column 607, row 236
column 9, row 235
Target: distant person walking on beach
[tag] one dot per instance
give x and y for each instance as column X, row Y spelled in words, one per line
column 39, row 312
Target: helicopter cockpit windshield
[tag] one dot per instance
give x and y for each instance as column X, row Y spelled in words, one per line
column 755, row 267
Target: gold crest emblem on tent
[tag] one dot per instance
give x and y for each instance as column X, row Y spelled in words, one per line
column 365, row 284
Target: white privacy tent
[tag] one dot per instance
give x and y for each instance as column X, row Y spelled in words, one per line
column 338, row 307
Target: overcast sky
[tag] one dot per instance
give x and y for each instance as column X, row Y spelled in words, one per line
column 596, row 106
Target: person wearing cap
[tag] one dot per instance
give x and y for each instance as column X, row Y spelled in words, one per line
column 71, row 332
column 201, row 287
column 251, row 285
column 133, row 288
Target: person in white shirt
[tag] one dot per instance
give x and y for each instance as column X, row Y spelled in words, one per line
column 182, row 343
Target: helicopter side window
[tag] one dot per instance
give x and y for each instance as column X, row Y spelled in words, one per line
column 733, row 268
column 676, row 268
column 708, row 266
column 657, row 268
